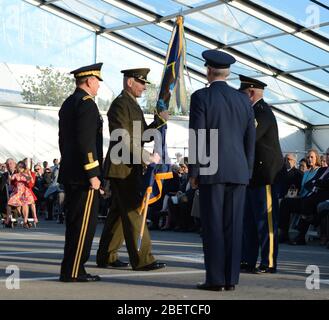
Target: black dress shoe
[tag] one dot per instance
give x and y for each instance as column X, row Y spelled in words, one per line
column 153, row 266
column 245, row 267
column 210, row 287
column 229, row 288
column 82, row 278
column 265, row 269
column 119, row 264
column 90, row 277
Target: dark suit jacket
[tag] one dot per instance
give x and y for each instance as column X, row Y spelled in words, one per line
column 268, row 155
column 3, row 190
column 322, row 185
column 80, row 139
column 287, row 179
column 124, row 111
column 224, row 108
column 2, row 181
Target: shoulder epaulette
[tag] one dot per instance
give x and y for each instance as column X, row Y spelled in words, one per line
column 87, row 97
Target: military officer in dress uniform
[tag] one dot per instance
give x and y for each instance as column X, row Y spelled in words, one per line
column 262, row 207
column 221, row 191
column 123, row 221
column 80, row 143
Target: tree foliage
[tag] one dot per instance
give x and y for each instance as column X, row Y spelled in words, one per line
column 49, row 87
column 104, row 104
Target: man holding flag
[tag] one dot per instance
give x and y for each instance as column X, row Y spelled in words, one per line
column 127, row 180
column 126, row 177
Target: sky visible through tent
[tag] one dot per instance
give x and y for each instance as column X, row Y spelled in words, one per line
column 285, row 42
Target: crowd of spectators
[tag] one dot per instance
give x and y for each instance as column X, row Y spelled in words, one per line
column 28, row 191
column 303, row 192
column 304, row 198
column 174, row 210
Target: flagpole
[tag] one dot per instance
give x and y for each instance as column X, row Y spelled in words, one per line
column 139, row 245
column 176, row 49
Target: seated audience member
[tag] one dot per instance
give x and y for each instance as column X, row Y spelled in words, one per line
column 5, row 187
column 47, row 181
column 323, row 160
column 180, row 205
column 54, row 194
column 21, row 196
column 2, row 168
column 181, row 180
column 158, row 211
column 45, row 165
column 55, row 165
column 179, row 158
column 289, row 177
column 38, row 188
column 303, row 166
column 319, row 193
column 28, row 163
column 289, row 206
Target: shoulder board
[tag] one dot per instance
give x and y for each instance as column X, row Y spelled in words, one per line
column 87, row 97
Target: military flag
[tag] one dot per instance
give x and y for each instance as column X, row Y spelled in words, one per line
column 172, row 83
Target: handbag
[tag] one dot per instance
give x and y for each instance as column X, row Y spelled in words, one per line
column 292, row 192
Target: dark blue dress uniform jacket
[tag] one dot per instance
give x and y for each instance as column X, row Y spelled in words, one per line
column 80, row 139
column 222, row 107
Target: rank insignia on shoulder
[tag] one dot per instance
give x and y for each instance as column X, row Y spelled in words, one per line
column 256, row 123
column 87, row 97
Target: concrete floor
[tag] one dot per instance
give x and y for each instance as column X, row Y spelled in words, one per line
column 38, row 253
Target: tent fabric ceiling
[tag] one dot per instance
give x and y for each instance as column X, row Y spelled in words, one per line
column 283, row 43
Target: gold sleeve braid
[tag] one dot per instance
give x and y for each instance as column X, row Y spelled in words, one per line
column 92, row 163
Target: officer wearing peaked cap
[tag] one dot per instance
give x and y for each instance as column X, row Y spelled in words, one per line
column 217, row 59
column 80, row 143
column 223, row 181
column 261, row 209
column 138, row 74
column 126, row 180
column 247, row 82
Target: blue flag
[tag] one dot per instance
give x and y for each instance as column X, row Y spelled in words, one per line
column 172, row 79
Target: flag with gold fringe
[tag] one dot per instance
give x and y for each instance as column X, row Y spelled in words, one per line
column 172, row 84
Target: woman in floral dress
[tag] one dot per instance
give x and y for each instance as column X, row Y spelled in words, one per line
column 28, row 163
column 21, row 196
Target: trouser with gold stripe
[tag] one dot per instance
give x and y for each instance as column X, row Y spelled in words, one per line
column 82, row 205
column 260, row 227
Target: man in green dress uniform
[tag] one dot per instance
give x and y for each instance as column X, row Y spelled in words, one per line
column 125, row 170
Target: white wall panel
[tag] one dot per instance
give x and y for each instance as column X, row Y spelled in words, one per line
column 32, row 131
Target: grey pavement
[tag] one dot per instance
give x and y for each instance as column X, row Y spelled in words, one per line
column 38, row 253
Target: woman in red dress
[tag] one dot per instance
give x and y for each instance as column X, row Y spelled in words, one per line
column 28, row 163
column 21, row 196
